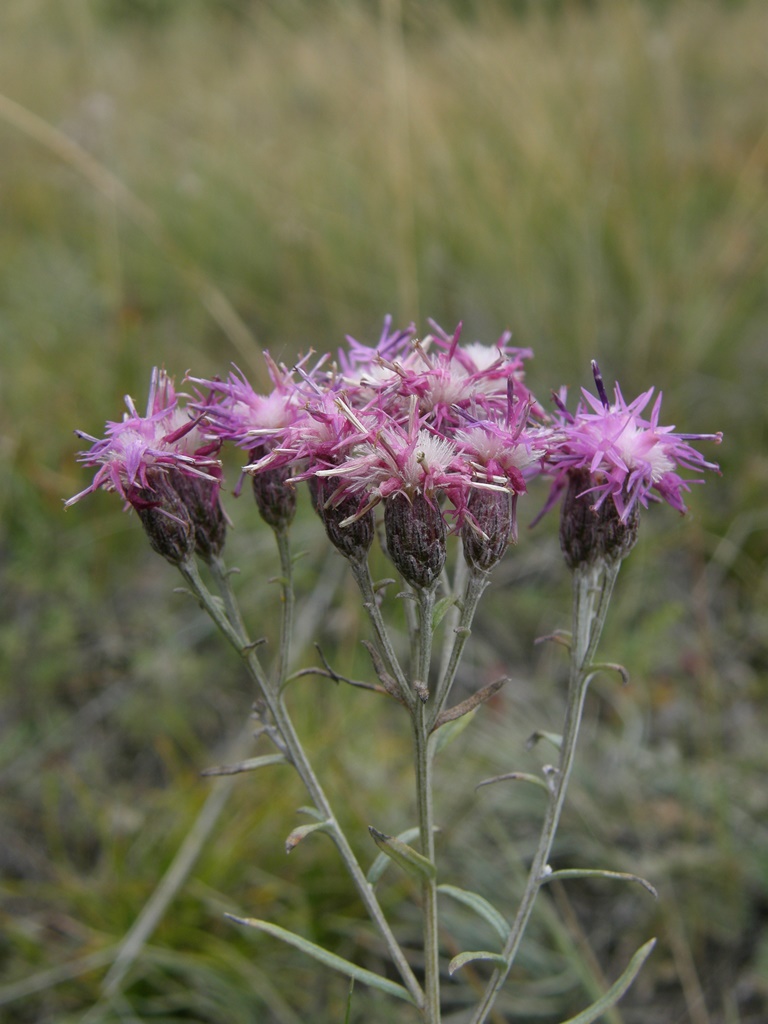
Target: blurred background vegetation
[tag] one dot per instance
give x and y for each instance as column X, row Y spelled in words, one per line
column 185, row 182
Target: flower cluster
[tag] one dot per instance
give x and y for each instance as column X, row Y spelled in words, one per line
column 446, row 436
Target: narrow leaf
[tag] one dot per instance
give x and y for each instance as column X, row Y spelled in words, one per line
column 610, row 666
column 331, row 960
column 311, row 812
column 383, row 860
column 560, row 636
column 553, row 737
column 617, row 989
column 449, row 732
column 481, row 906
column 302, row 831
column 464, row 958
column 463, row 708
column 401, row 853
column 515, row 777
column 251, row 764
column 621, row 876
column 387, row 681
column 440, row 609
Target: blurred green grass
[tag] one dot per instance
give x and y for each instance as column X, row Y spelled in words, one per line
column 278, row 175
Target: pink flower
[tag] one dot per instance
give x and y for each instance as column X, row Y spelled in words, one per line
column 504, row 450
column 236, row 412
column 362, row 361
column 138, row 448
column 445, row 378
column 399, row 460
column 163, row 466
column 629, row 459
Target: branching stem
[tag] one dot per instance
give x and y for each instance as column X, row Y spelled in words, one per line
column 592, row 588
column 226, row 616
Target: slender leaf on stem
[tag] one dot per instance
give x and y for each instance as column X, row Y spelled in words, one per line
column 410, row 860
column 552, row 737
column 621, row 876
column 481, row 906
column 560, row 636
column 383, row 860
column 327, row 958
column 302, row 831
column 515, row 777
column 449, row 732
column 472, row 702
column 249, row 765
column 311, row 812
column 617, row 989
column 480, row 954
column 442, row 606
column 610, row 666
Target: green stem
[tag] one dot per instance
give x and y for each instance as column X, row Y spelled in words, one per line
column 237, row 637
column 475, row 587
column 424, row 791
column 592, row 588
column 453, row 615
column 288, row 605
column 221, row 575
column 429, row 885
column 362, row 574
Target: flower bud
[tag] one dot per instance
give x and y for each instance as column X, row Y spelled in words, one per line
column 415, row 533
column 486, row 536
column 354, row 540
column 165, row 520
column 200, row 497
column 587, row 533
column 275, row 497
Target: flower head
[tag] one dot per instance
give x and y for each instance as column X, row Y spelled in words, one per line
column 410, row 460
column 630, row 460
column 138, row 447
column 163, row 465
column 234, row 411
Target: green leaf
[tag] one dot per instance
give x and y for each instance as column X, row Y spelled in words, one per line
column 251, row 764
column 617, row 989
column 552, row 737
column 481, row 906
column 447, row 733
column 331, row 960
column 440, row 609
column 401, row 853
column 515, row 777
column 311, row 812
column 383, row 860
column 302, row 831
column 470, row 704
column 464, row 958
column 621, row 876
